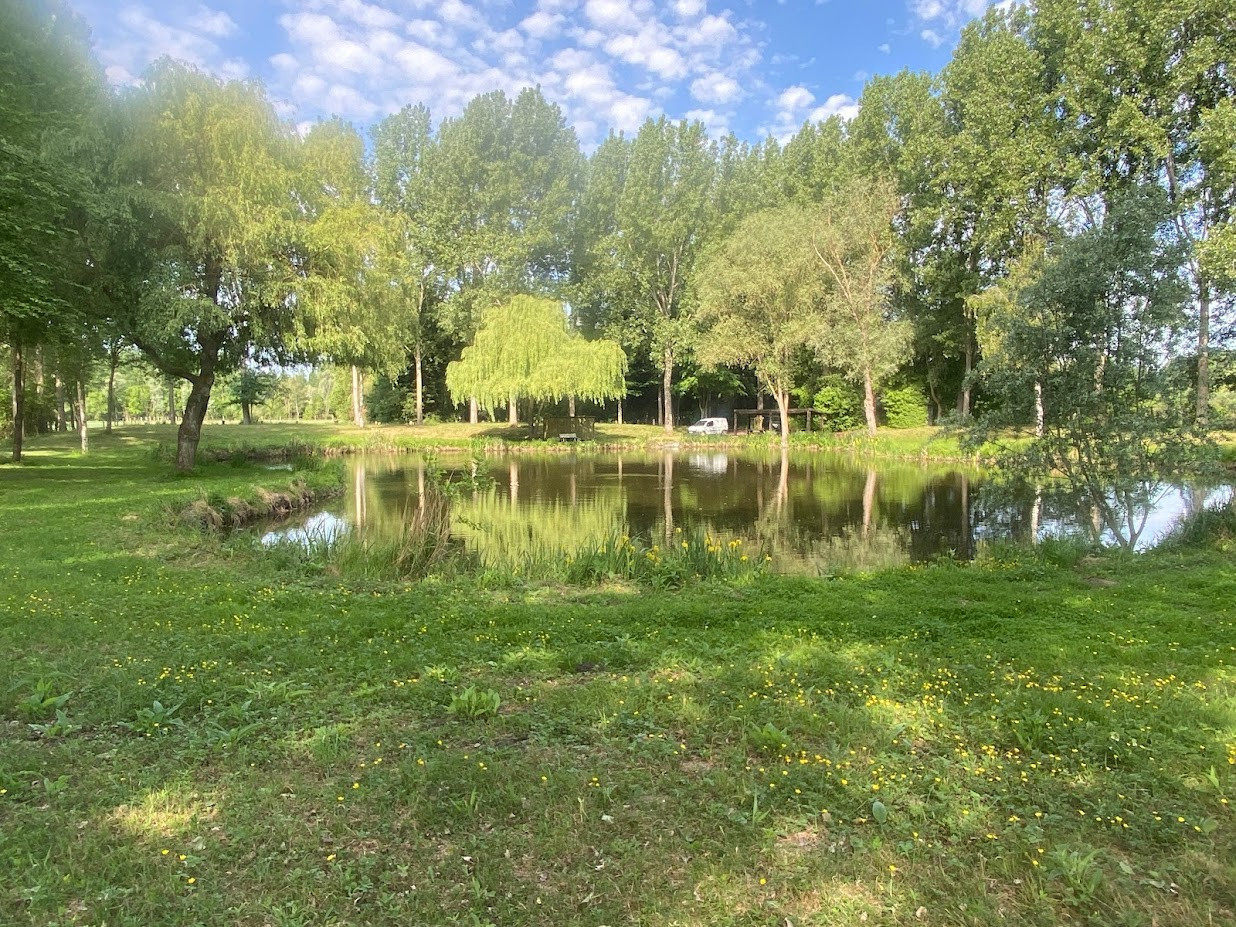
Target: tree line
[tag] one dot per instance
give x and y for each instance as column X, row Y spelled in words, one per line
column 1045, row 221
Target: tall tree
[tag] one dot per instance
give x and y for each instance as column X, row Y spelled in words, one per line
column 665, row 216
column 524, row 350
column 759, row 298
column 1135, row 85
column 403, row 145
column 353, row 268
column 50, row 94
column 853, row 242
column 209, row 168
column 504, row 180
column 1094, row 315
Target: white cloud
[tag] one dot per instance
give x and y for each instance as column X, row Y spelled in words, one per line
column 795, row 98
column 213, row 22
column 542, row 25
column 938, row 20
column 716, row 123
column 796, row 105
column 713, row 30
column 839, row 104
column 458, row 13
column 607, row 63
column 715, row 87
column 612, row 15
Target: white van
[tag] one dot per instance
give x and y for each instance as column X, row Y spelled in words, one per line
column 710, row 426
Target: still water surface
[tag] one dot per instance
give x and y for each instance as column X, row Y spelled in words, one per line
column 814, row 513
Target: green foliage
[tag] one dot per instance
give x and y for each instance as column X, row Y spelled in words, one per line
column 156, row 720
column 43, row 699
column 759, row 296
column 839, row 403
column 524, row 350
column 472, row 702
column 1087, row 322
column 770, row 739
column 61, row 727
column 904, row 406
column 852, row 238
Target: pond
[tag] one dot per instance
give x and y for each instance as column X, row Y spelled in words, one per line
column 812, row 513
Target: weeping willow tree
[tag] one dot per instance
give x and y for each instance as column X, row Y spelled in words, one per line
column 524, row 350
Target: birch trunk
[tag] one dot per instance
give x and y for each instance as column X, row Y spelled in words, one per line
column 869, row 407
column 420, row 389
column 80, row 408
column 358, row 400
column 667, row 400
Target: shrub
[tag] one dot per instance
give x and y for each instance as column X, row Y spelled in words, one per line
column 840, row 404
column 904, row 406
column 1223, row 408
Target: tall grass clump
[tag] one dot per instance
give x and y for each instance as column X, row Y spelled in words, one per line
column 1211, row 527
column 422, row 546
column 690, row 556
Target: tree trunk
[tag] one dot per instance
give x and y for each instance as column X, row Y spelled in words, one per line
column 113, row 361
column 619, row 411
column 420, row 389
column 1039, row 417
column 246, row 414
column 38, row 371
column 512, row 412
column 783, row 405
column 358, row 400
column 60, row 417
column 869, row 405
column 571, row 406
column 80, row 410
column 667, row 399
column 1203, row 353
column 19, row 400
column 190, row 432
column 963, row 405
column 473, row 411
column 935, row 398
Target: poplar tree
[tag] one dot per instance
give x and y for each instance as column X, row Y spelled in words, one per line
column 665, row 216
column 759, row 298
column 403, row 149
column 853, row 241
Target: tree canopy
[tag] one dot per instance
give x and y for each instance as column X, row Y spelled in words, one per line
column 524, row 350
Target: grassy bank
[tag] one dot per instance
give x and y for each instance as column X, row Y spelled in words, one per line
column 189, row 735
column 281, row 439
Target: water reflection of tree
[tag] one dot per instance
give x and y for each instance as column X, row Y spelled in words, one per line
column 504, row 533
column 1025, row 511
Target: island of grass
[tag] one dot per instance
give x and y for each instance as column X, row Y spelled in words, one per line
column 193, row 733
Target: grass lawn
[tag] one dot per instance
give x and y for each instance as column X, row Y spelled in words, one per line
column 189, row 735
column 914, row 443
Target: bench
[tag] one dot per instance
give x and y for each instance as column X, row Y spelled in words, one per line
column 568, row 436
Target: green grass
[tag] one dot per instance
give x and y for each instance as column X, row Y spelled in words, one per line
column 1033, row 739
column 238, row 442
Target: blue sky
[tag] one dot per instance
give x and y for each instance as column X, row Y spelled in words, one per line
column 756, row 67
